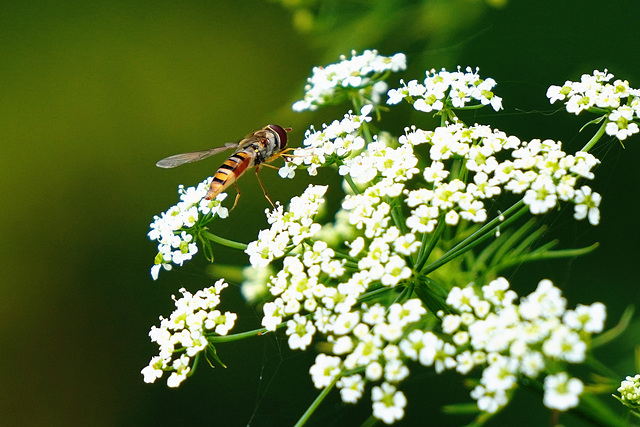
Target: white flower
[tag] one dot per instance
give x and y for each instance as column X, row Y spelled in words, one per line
column 345, row 323
column 532, row 363
column 546, row 301
column 435, row 172
column 337, row 140
column 541, row 197
column 351, row 388
column 498, row 293
column 557, row 93
column 562, row 392
column 462, row 299
column 273, row 312
column 566, row 345
column 324, row 370
column 423, row 219
column 500, row 375
column 181, row 369
column 489, row 401
column 367, row 351
column 374, row 371
column 508, row 336
column 154, row 370
column 374, row 315
column 395, row 371
column 436, row 352
column 409, row 312
column 356, row 246
column 589, row 318
column 586, row 205
column 388, row 404
column 406, row 244
column 620, row 123
column 220, row 323
column 395, row 270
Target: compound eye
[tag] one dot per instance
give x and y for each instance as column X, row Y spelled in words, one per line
column 282, row 134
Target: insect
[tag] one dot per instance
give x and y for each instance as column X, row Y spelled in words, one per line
column 256, row 149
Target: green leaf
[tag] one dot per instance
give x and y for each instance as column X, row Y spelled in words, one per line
column 432, row 295
column 211, row 351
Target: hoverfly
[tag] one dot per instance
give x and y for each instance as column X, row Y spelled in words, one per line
column 256, row 149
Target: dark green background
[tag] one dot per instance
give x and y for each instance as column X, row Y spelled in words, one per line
column 92, row 94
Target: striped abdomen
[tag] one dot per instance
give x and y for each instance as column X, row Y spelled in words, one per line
column 230, row 171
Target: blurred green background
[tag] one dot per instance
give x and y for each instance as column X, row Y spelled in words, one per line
column 94, row 93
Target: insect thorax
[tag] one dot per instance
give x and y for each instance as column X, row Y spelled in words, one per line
column 264, row 150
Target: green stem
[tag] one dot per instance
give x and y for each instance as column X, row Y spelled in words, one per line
column 235, row 337
column 366, row 132
column 601, row 368
column 595, row 137
column 616, row 331
column 374, row 293
column 594, row 410
column 346, row 257
column 352, row 184
column 470, row 107
column 479, row 236
column 242, row 335
column 194, row 366
column 358, row 101
column 443, row 119
column 224, row 242
column 543, row 253
column 310, row 410
column 397, row 216
column 425, row 250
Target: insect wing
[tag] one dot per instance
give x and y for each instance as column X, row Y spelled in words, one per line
column 254, row 137
column 194, row 156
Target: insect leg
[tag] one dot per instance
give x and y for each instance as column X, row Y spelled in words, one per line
column 264, row 189
column 286, row 153
column 237, row 196
column 269, row 166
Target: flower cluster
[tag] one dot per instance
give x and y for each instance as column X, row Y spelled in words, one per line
column 183, row 335
column 442, row 89
column 328, row 146
column 367, row 344
column 172, row 229
column 630, row 391
column 539, row 170
column 288, row 229
column 375, row 343
column 312, row 306
column 367, row 286
column 620, row 102
column 359, row 73
column 489, row 328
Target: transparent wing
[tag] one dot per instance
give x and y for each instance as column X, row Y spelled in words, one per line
column 257, row 136
column 194, row 156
